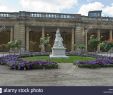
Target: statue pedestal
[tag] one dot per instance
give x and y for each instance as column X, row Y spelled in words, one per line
column 58, row 53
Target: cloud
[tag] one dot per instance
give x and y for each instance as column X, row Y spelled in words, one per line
column 47, row 5
column 37, row 5
column 90, row 0
column 4, row 8
column 106, row 10
column 55, row 6
column 90, row 7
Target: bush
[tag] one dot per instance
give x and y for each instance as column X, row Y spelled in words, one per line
column 17, row 63
column 98, row 63
column 106, row 46
column 93, row 42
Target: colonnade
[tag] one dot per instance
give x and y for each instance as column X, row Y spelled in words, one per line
column 43, row 35
column 98, row 37
column 73, row 37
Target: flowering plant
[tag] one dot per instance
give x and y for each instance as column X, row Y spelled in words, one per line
column 16, row 62
column 100, row 62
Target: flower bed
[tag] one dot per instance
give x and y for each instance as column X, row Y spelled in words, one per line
column 26, row 65
column 98, row 63
column 17, row 63
column 9, row 59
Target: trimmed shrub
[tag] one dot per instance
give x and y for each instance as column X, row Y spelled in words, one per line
column 98, row 63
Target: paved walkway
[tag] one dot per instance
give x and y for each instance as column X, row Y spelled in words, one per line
column 66, row 75
column 3, row 54
column 106, row 54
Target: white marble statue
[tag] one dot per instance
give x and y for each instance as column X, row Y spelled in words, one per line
column 58, row 43
column 58, row 50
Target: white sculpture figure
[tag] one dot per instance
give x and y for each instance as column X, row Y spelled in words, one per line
column 58, row 49
column 58, row 40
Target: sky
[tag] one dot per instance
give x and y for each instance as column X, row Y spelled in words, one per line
column 58, row 6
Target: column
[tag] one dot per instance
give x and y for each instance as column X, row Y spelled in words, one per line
column 11, row 34
column 43, row 35
column 19, row 33
column 79, row 35
column 27, row 38
column 86, row 42
column 98, row 37
column 110, row 35
column 72, row 40
column 11, row 37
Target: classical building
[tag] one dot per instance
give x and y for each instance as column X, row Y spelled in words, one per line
column 75, row 28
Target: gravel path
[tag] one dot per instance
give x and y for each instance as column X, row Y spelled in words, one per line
column 66, row 75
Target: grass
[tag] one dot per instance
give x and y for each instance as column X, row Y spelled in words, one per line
column 70, row 59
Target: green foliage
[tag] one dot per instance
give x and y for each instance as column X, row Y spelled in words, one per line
column 93, row 42
column 106, row 46
column 11, row 44
column 94, row 66
column 81, row 46
column 91, row 66
column 45, row 42
column 14, row 44
column 18, row 44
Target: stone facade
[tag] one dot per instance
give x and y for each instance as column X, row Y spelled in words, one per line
column 77, row 27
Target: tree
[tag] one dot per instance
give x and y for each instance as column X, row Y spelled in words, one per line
column 18, row 44
column 13, row 45
column 45, row 42
column 106, row 46
column 93, row 42
column 81, row 46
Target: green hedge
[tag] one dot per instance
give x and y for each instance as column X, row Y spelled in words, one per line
column 93, row 66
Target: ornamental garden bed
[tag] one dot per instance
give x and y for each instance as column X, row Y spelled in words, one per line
column 17, row 63
column 98, row 63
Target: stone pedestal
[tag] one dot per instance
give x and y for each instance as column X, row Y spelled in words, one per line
column 58, row 53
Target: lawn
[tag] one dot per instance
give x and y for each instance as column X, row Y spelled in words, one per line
column 70, row 59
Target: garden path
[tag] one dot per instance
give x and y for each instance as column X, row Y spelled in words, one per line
column 106, row 54
column 66, row 75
